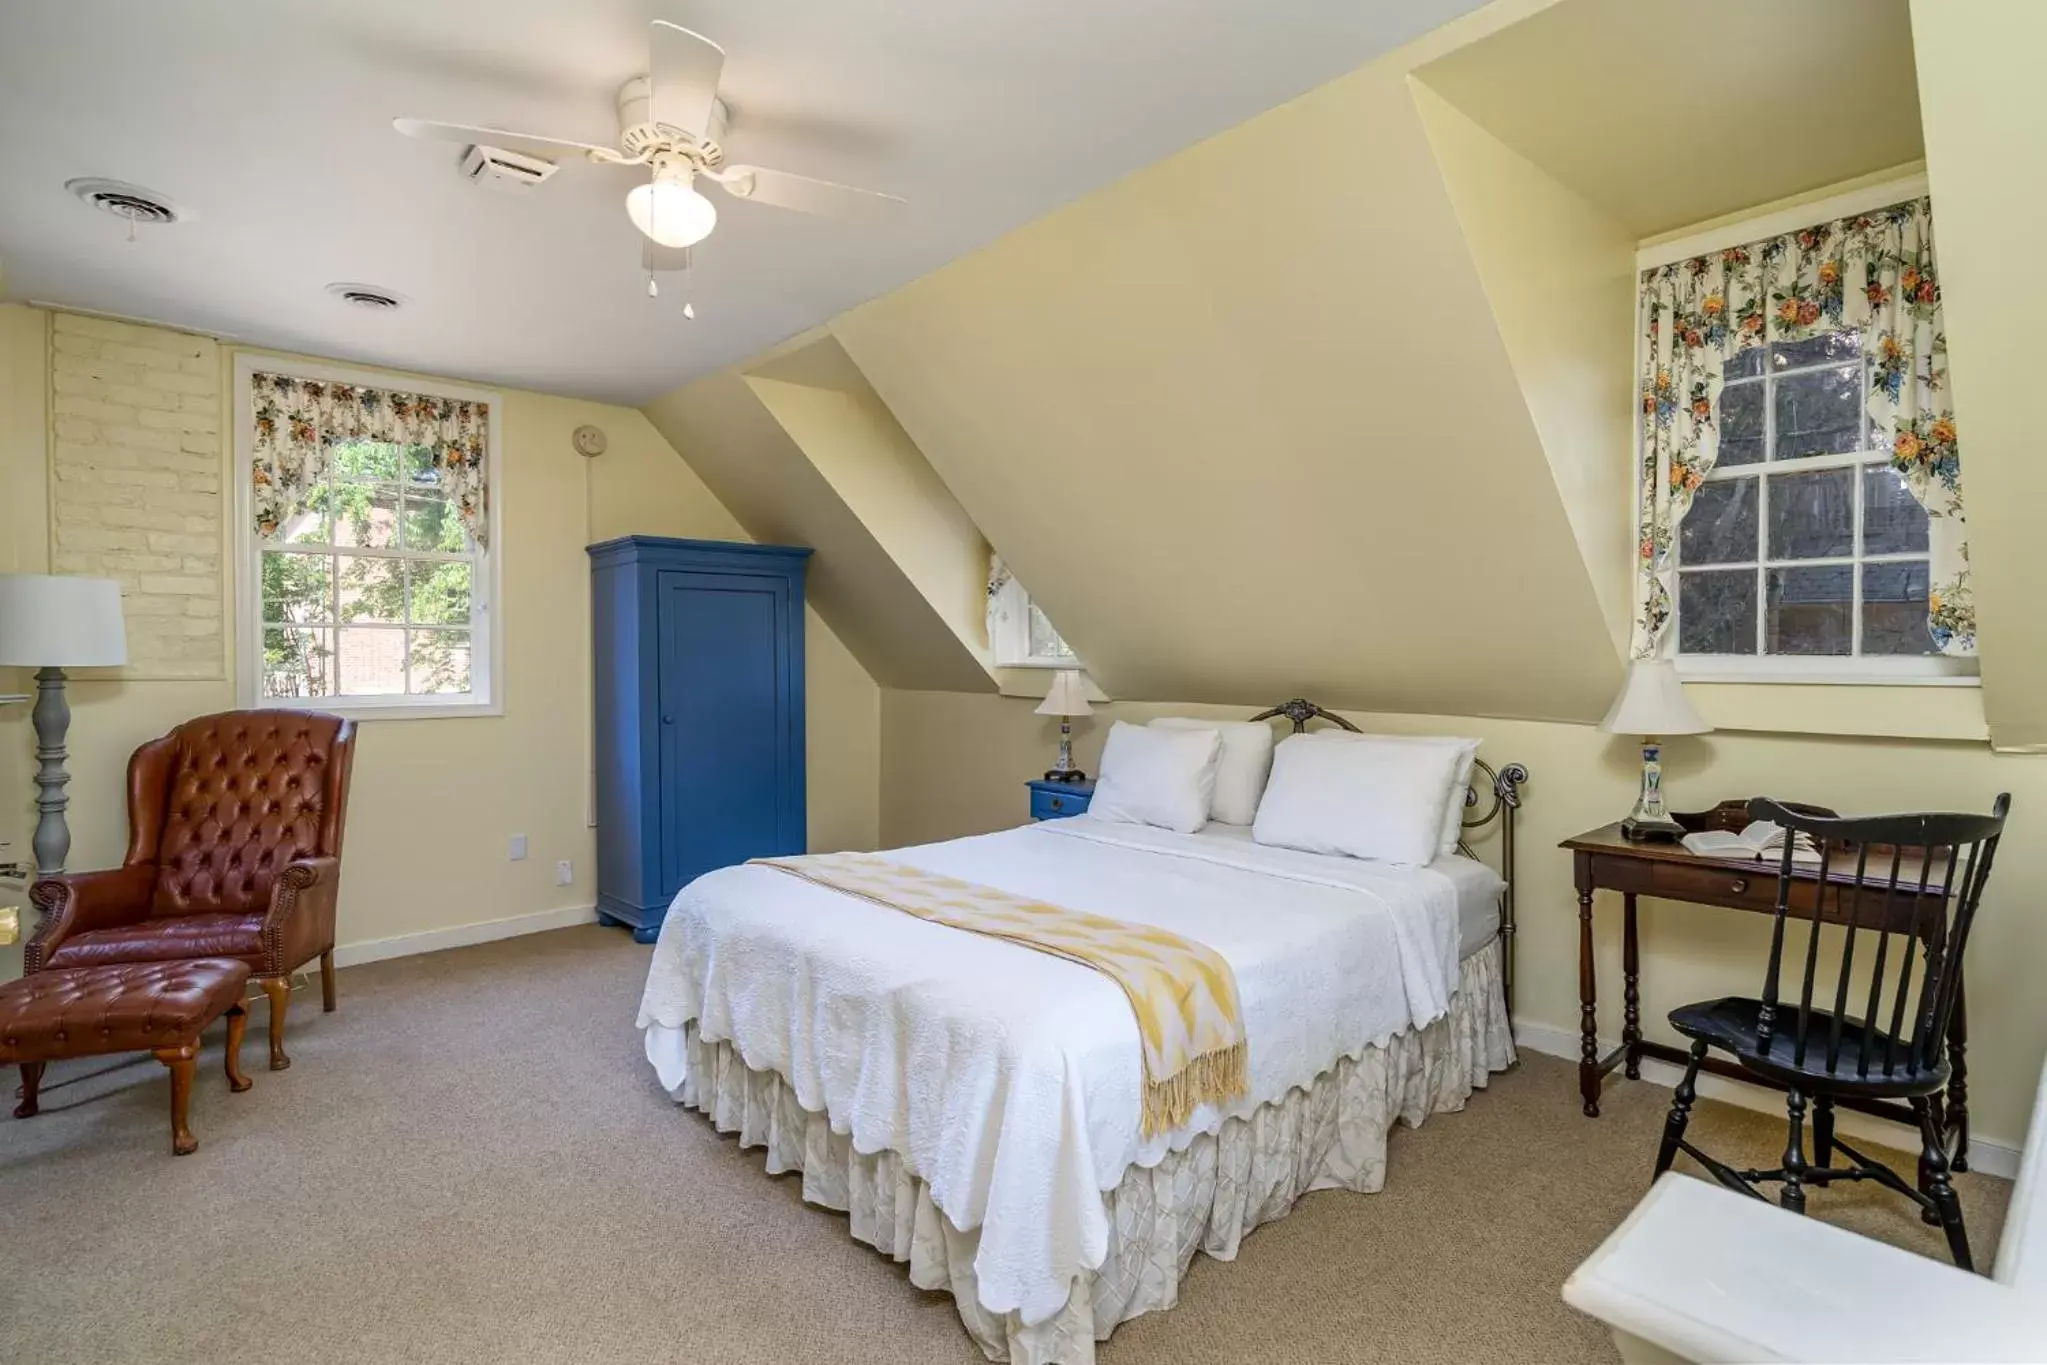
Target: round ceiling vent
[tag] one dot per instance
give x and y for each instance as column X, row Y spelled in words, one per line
column 366, row 296
column 123, row 200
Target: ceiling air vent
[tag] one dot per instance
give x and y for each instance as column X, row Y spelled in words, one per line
column 123, row 200
column 366, row 296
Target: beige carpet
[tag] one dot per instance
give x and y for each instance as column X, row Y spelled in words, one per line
column 471, row 1163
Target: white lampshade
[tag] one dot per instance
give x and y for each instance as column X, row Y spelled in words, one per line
column 1068, row 696
column 56, row 621
column 669, row 209
column 1653, row 702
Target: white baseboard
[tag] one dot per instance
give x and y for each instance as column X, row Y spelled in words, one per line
column 462, row 935
column 1985, row 1154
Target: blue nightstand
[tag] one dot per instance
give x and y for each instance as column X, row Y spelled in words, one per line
column 1057, row 800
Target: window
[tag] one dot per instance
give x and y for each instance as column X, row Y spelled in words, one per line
column 1802, row 540
column 1799, row 478
column 1019, row 633
column 369, row 572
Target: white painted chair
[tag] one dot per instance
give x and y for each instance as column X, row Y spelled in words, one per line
column 1699, row 1273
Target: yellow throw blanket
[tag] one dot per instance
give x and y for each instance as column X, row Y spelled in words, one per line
column 1182, row 992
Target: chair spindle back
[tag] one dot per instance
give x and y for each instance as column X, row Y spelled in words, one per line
column 1918, row 878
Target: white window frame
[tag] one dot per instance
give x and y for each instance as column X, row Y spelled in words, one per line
column 486, row 696
column 1931, row 670
column 1010, row 632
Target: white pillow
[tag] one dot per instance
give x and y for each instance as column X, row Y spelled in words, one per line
column 1370, row 797
column 1156, row 777
column 1453, row 809
column 1241, row 769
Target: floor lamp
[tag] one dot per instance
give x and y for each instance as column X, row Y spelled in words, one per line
column 52, row 622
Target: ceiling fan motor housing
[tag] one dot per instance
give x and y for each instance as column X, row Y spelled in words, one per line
column 639, row 134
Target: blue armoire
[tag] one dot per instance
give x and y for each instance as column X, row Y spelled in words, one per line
column 699, row 715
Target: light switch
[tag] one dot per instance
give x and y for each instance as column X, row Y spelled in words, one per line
column 518, row 852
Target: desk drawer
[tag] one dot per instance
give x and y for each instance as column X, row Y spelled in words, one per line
column 1742, row 890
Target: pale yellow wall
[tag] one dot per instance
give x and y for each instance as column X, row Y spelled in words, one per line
column 1985, row 112
column 853, row 440
column 435, row 801
column 1244, row 436
column 955, row 764
column 1560, row 275
column 753, row 464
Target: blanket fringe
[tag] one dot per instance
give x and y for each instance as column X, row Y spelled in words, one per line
column 1212, row 1078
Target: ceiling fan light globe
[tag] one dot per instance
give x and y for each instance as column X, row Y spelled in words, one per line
column 671, row 212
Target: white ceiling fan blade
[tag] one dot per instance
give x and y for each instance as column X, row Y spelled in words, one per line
column 530, row 144
column 684, row 72
column 806, row 195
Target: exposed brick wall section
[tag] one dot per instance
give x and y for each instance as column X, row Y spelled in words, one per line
column 136, row 470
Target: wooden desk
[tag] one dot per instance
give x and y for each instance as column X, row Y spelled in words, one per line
column 1605, row 861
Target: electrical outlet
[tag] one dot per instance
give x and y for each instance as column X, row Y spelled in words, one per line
column 564, row 873
column 518, row 849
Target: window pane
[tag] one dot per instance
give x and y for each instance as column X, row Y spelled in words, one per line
column 1745, row 365
column 296, row 587
column 1844, row 346
column 367, row 461
column 372, row 662
column 1894, row 609
column 308, row 524
column 366, row 515
column 432, row 524
column 1810, row 610
column 440, row 593
column 1741, row 424
column 1720, row 528
column 1819, row 412
column 1893, row 522
column 297, row 662
column 1045, row 641
column 1812, row 514
column 440, row 660
column 419, row 471
column 371, row 589
column 1716, row 612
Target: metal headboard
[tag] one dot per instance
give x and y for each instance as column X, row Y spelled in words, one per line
column 1502, row 784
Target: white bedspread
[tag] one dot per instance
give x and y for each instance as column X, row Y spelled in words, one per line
column 1009, row 1079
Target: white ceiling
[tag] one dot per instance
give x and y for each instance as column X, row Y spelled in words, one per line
column 271, row 121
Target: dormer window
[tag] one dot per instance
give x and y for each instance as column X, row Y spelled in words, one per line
column 1019, row 633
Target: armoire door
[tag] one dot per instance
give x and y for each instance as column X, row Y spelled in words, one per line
column 721, row 702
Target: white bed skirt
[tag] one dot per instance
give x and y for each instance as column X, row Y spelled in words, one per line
column 1331, row 1135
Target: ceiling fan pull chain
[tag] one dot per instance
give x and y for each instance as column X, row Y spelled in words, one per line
column 653, row 286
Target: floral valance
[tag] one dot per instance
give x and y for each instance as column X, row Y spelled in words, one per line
column 299, row 420
column 999, row 577
column 1873, row 273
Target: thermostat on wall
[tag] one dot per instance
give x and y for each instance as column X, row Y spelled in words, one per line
column 589, row 440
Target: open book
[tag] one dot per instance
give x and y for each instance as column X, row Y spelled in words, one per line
column 1762, row 839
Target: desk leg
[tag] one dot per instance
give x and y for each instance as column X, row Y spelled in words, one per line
column 1958, row 1078
column 1631, row 967
column 1588, row 1012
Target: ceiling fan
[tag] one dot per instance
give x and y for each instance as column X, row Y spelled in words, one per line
column 670, row 122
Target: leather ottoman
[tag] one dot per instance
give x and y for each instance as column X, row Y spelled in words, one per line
column 154, row 1007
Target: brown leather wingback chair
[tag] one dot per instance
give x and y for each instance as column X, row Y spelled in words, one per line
column 234, row 849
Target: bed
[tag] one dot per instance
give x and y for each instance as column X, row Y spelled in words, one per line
column 973, row 1105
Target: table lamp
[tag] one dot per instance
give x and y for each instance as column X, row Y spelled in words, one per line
column 52, row 622
column 1652, row 703
column 1067, row 699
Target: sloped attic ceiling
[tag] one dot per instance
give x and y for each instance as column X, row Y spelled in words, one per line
column 803, row 453
column 1245, row 425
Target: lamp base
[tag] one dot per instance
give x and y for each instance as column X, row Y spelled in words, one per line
column 1065, row 775
column 1649, row 820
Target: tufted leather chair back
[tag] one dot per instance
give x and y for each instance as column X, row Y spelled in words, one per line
column 223, row 803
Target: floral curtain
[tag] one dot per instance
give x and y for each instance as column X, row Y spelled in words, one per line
column 1874, row 272
column 299, row 420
